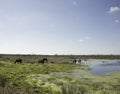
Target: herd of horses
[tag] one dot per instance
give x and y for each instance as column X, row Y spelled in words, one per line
column 20, row 61
column 45, row 60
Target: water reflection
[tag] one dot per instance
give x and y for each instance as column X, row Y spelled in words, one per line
column 102, row 66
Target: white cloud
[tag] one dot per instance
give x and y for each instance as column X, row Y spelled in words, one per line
column 116, row 21
column 114, row 9
column 74, row 3
column 84, row 39
column 81, row 40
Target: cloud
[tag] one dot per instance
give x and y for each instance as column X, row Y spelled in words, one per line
column 81, row 40
column 84, row 39
column 114, row 9
column 117, row 21
column 74, row 3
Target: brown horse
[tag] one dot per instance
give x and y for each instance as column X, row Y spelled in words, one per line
column 42, row 61
column 19, row 60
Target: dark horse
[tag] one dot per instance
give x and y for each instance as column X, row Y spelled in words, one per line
column 74, row 61
column 42, row 61
column 77, row 61
column 19, row 60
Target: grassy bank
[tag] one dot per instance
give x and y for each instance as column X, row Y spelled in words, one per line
column 49, row 78
column 14, row 77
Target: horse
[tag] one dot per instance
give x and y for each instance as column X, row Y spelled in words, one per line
column 42, row 61
column 79, row 61
column 19, row 60
column 76, row 61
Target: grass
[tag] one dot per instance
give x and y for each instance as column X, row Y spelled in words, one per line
column 54, row 78
column 54, row 58
column 17, row 76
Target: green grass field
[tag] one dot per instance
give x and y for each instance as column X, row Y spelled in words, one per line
column 53, row 78
column 17, row 76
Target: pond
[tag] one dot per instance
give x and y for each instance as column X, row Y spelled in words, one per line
column 102, row 66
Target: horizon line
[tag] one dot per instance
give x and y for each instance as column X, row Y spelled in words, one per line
column 56, row 54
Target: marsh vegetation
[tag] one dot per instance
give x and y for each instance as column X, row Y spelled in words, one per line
column 58, row 76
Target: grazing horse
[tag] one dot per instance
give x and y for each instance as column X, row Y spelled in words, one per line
column 77, row 61
column 74, row 61
column 42, row 61
column 19, row 60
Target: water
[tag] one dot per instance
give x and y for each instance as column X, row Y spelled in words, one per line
column 54, row 80
column 103, row 66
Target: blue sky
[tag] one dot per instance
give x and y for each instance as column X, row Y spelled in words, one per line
column 60, row 26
